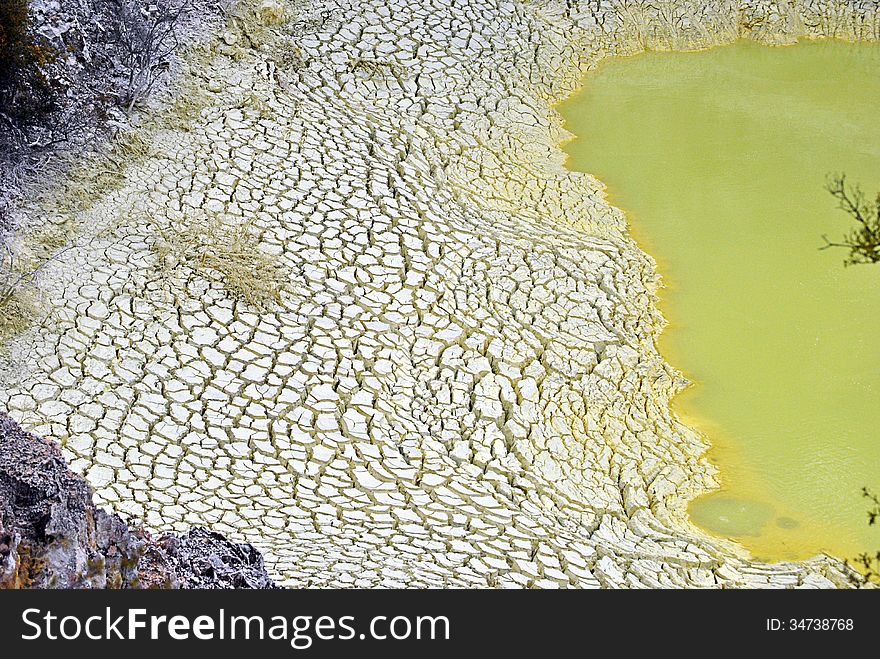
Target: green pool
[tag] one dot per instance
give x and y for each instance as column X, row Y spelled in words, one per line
column 719, row 159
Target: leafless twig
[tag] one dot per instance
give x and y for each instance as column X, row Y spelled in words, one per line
column 869, row 563
column 863, row 242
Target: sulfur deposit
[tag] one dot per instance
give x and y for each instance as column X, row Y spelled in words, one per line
column 346, row 304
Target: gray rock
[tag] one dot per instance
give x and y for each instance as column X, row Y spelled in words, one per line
column 53, row 536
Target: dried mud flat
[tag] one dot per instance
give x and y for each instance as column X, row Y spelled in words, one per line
column 346, row 304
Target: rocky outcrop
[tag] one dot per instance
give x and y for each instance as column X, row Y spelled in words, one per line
column 201, row 558
column 53, row 536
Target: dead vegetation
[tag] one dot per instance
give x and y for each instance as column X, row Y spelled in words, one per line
column 224, row 250
column 147, row 36
column 189, row 99
column 66, row 69
column 92, row 176
column 17, row 293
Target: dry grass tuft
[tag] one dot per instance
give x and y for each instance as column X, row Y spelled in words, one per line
column 223, row 250
column 130, row 146
column 190, row 98
column 97, row 174
column 18, row 294
column 17, row 313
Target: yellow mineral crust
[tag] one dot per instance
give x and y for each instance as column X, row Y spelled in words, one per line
column 431, row 361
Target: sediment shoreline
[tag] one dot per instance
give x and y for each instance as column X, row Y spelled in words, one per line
column 452, row 378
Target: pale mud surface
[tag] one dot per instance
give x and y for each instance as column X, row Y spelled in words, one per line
column 459, row 384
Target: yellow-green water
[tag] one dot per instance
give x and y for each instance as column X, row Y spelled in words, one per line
column 719, row 159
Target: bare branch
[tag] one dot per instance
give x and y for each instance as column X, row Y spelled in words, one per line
column 867, row 563
column 147, row 37
column 863, row 242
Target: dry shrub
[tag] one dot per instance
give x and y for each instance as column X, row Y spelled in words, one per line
column 253, row 20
